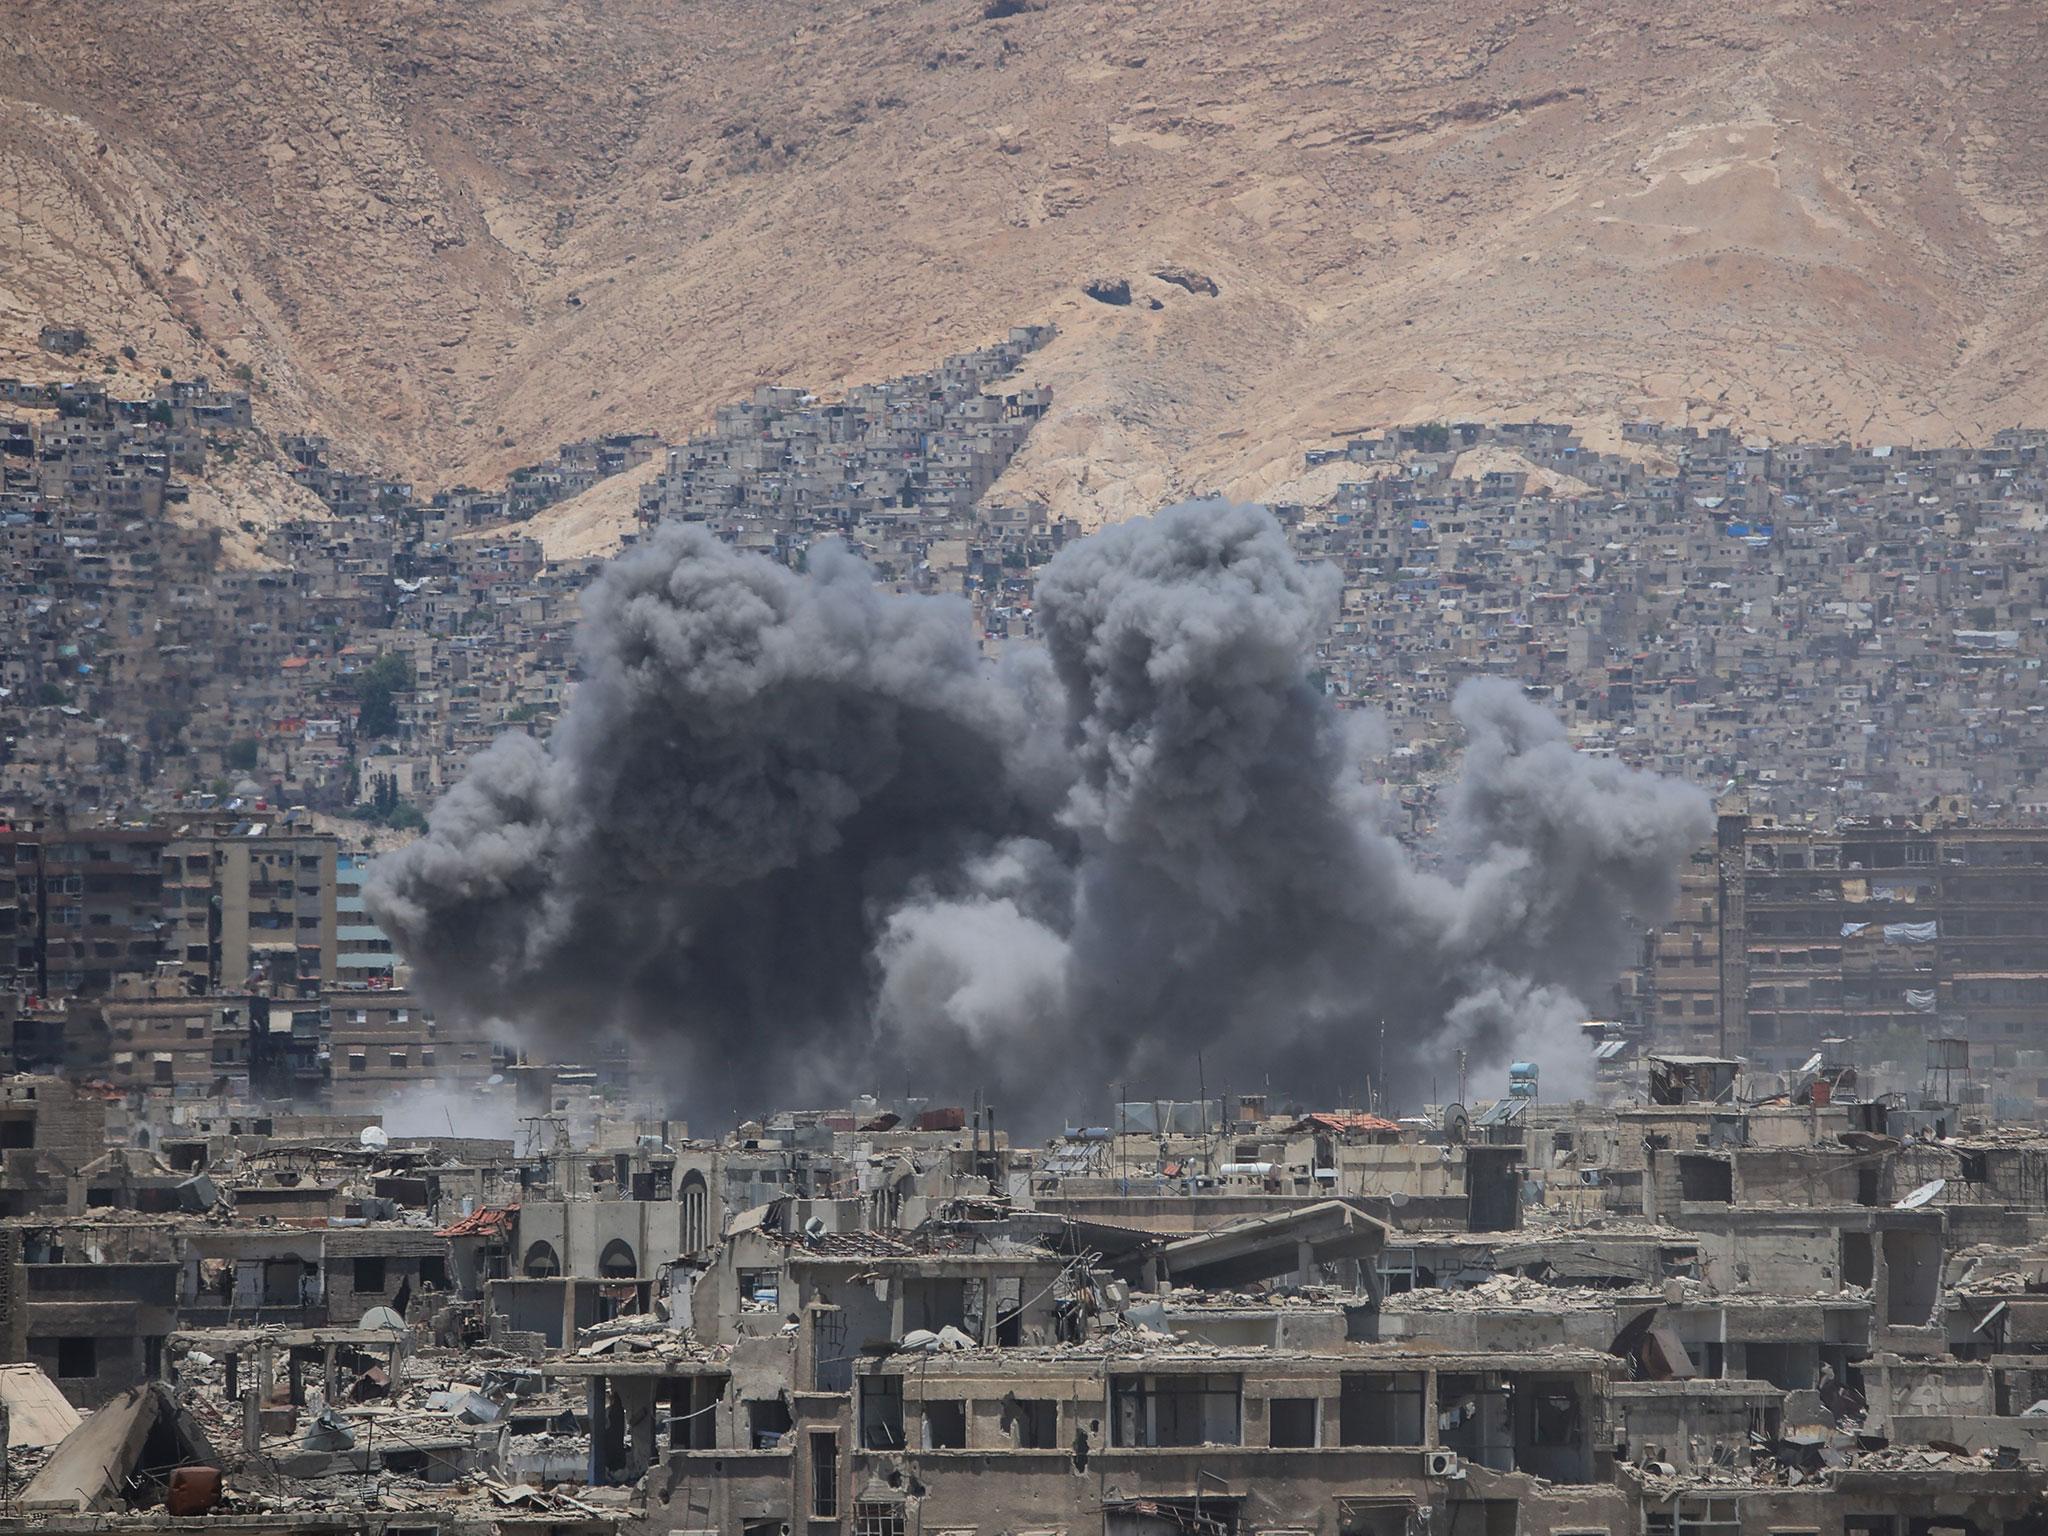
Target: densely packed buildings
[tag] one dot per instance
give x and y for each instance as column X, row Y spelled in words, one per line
column 306, row 1257
column 1686, row 1311
column 350, row 662
column 1831, row 637
column 1873, row 935
column 1836, row 630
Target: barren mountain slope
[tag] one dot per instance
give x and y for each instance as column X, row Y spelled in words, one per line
column 455, row 234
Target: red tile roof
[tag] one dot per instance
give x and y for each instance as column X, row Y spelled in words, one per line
column 1349, row 1124
column 491, row 1221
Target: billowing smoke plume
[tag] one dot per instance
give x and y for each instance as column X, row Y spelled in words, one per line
column 795, row 832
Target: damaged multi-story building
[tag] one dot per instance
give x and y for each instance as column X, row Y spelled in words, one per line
column 280, row 1249
column 1689, row 1308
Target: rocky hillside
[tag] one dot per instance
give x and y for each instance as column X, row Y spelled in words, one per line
column 453, row 235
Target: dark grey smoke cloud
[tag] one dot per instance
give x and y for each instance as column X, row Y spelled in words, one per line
column 793, row 831
column 756, row 764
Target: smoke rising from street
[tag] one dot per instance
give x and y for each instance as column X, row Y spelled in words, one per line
column 795, row 832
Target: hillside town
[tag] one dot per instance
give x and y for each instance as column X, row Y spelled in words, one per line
column 1786, row 619
column 1841, row 631
column 994, row 768
column 350, row 660
column 282, row 1249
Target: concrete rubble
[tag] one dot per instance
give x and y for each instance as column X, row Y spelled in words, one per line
column 939, row 1327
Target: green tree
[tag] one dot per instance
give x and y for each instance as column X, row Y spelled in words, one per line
column 241, row 754
column 393, row 671
column 378, row 715
column 405, row 817
column 378, row 712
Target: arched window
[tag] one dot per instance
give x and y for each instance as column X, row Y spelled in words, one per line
column 542, row 1262
column 696, row 1213
column 617, row 1261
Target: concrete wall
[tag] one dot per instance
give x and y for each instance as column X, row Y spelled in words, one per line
column 1686, row 1422
column 1923, row 1389
column 1802, row 1176
column 66, row 1125
column 1770, row 1259
column 581, row 1231
column 1503, row 1329
column 98, row 1329
column 1048, row 1490
column 390, row 1260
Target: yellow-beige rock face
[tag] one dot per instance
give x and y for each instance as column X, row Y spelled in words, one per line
column 453, row 235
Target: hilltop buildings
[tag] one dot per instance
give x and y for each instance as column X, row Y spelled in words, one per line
column 1841, row 631
column 1843, row 640
column 1776, row 1275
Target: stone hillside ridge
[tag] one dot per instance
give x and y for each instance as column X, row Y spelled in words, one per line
column 451, row 238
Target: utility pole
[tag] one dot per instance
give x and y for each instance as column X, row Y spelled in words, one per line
column 1379, row 1076
column 1123, row 1124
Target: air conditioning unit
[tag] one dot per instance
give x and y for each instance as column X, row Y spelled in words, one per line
column 1440, row 1464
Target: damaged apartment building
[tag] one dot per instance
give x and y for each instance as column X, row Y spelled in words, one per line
column 1689, row 1310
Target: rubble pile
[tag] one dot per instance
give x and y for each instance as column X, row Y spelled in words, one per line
column 608, row 1328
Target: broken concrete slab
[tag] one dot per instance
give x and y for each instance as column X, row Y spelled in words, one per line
column 143, row 1432
column 38, row 1416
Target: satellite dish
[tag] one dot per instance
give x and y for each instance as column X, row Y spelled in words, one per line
column 382, row 1320
column 1398, row 1198
column 1922, row 1195
column 374, row 1138
column 1457, row 1124
column 494, row 1079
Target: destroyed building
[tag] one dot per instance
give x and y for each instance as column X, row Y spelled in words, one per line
column 1697, row 1309
column 1763, row 1280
